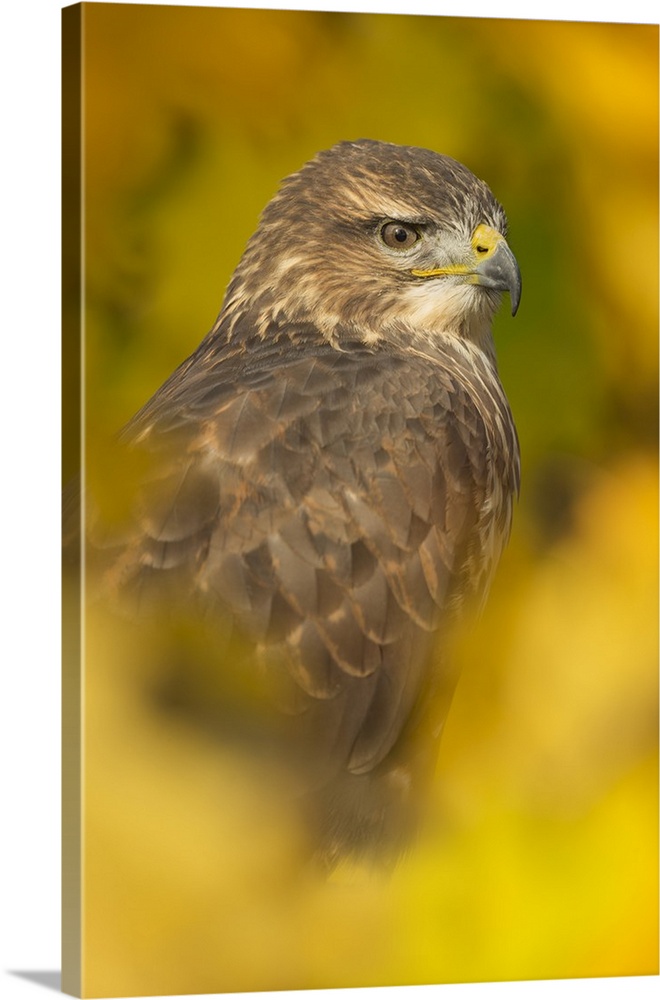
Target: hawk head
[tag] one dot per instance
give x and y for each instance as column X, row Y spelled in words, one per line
column 375, row 241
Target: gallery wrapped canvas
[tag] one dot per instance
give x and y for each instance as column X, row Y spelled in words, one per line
column 359, row 571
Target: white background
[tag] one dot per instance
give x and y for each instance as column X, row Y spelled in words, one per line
column 29, row 486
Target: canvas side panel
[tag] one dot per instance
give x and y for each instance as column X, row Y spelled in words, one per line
column 71, row 479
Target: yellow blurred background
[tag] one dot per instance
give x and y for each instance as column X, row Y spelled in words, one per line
column 539, row 857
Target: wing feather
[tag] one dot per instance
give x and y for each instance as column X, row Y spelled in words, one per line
column 333, row 504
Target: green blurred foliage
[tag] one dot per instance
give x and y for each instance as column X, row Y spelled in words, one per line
column 540, row 852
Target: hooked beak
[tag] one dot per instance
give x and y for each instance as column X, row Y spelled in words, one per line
column 490, row 264
column 500, row 271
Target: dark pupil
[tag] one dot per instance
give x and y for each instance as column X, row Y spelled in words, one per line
column 401, row 235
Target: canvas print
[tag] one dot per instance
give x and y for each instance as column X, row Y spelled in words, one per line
column 359, row 500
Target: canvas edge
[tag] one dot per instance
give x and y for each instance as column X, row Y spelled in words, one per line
column 71, row 469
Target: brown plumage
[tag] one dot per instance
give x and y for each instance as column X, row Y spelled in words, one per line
column 331, row 473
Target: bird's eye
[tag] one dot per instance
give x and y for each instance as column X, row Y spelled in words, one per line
column 399, row 235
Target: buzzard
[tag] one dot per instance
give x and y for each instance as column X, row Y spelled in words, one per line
column 328, row 479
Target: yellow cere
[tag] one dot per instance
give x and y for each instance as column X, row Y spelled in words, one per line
column 485, row 240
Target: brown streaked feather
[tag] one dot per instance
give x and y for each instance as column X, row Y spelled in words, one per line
column 365, row 552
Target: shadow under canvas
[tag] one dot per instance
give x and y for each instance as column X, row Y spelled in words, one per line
column 50, row 978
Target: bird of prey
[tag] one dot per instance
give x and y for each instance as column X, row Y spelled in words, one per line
column 330, row 476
